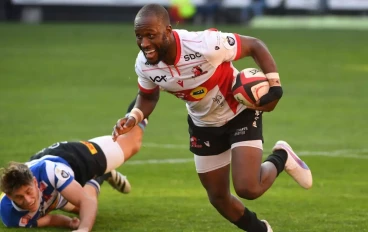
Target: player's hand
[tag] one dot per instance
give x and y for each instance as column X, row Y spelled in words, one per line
column 81, row 230
column 122, row 126
column 74, row 223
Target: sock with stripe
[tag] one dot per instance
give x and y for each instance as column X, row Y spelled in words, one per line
column 94, row 184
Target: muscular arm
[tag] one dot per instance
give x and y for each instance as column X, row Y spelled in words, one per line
column 147, row 102
column 87, row 204
column 259, row 52
column 56, row 220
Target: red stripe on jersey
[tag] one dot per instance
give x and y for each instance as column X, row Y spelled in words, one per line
column 206, row 86
column 225, row 85
column 146, row 90
column 178, row 47
column 177, row 70
column 238, row 47
column 222, row 77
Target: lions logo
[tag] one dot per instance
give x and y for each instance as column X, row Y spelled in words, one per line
column 198, row 71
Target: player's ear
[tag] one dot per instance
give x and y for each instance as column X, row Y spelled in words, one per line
column 169, row 28
column 35, row 182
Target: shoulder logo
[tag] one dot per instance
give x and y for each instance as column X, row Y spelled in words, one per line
column 61, row 173
column 228, row 41
column 64, row 174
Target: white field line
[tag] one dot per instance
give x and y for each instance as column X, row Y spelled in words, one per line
column 348, row 153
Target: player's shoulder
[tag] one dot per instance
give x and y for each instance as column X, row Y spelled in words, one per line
column 193, row 37
column 206, row 41
column 10, row 216
column 185, row 34
column 43, row 169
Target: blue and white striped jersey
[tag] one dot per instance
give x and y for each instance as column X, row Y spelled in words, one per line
column 53, row 174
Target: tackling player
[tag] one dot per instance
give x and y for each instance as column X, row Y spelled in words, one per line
column 197, row 68
column 53, row 179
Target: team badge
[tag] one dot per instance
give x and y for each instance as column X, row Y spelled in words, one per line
column 228, row 41
column 198, row 71
column 64, row 174
column 61, row 174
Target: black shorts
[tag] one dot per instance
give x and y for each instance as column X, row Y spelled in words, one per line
column 86, row 158
column 205, row 141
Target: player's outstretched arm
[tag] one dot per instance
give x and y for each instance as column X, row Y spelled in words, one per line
column 259, row 52
column 87, row 204
column 58, row 220
column 145, row 104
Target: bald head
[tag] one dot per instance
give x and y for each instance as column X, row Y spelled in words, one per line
column 154, row 34
column 154, row 10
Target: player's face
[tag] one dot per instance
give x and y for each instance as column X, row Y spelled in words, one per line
column 27, row 197
column 152, row 38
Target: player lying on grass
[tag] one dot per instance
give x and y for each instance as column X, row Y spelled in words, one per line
column 53, row 179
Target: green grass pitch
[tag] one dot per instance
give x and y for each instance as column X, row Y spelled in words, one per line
column 73, row 81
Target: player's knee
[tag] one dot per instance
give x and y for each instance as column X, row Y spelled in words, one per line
column 218, row 199
column 136, row 146
column 247, row 192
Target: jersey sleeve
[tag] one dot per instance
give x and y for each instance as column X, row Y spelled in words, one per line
column 145, row 84
column 13, row 218
column 219, row 47
column 58, row 175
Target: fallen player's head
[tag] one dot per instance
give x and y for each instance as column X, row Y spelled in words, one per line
column 19, row 184
column 153, row 32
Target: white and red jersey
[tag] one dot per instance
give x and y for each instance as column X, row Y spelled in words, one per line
column 202, row 75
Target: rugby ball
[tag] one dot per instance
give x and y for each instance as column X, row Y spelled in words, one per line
column 249, row 86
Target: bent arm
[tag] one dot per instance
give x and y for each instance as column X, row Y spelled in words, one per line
column 259, row 52
column 146, row 102
column 87, row 204
column 255, row 48
column 54, row 220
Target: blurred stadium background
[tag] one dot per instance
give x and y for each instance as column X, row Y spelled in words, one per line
column 67, row 73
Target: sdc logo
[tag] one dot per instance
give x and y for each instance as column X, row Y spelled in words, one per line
column 199, row 92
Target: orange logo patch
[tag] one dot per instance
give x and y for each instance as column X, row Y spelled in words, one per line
column 90, row 147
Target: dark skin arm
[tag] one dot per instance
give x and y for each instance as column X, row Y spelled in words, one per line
column 250, row 47
column 259, row 52
column 146, row 103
